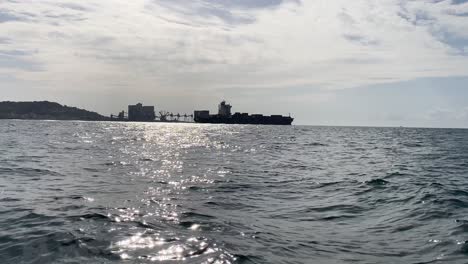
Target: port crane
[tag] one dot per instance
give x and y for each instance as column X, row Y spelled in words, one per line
column 164, row 116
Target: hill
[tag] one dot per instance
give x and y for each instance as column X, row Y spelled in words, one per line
column 46, row 110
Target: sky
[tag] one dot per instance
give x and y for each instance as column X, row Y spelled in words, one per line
column 340, row 62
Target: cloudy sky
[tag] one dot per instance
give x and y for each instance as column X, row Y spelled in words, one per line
column 327, row 62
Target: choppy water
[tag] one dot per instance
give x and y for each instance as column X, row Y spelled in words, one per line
column 85, row 192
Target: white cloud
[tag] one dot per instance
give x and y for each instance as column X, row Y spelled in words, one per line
column 170, row 46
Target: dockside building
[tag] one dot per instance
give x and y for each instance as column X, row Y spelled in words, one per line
column 139, row 112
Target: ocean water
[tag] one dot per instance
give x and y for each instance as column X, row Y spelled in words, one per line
column 98, row 192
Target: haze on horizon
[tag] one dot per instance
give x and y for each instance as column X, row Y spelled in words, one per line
column 362, row 62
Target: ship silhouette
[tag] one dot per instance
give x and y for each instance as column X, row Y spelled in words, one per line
column 224, row 116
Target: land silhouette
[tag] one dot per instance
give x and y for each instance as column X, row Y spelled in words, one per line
column 45, row 110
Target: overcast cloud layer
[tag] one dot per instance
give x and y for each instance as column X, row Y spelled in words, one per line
column 196, row 48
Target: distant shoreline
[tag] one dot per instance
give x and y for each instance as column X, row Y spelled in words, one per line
column 109, row 120
column 52, row 111
column 45, row 110
column 184, row 122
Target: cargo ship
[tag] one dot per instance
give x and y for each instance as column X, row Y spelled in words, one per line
column 224, row 116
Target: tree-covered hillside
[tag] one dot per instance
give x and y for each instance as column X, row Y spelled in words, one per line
column 45, row 110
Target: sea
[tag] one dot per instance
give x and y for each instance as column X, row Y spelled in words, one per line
column 110, row 192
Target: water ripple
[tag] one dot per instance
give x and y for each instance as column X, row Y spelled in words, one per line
column 102, row 192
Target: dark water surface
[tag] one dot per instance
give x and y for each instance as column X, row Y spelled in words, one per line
column 85, row 192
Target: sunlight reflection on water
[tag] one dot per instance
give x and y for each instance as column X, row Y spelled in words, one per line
column 168, row 146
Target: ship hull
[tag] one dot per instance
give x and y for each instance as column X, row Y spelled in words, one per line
column 265, row 120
